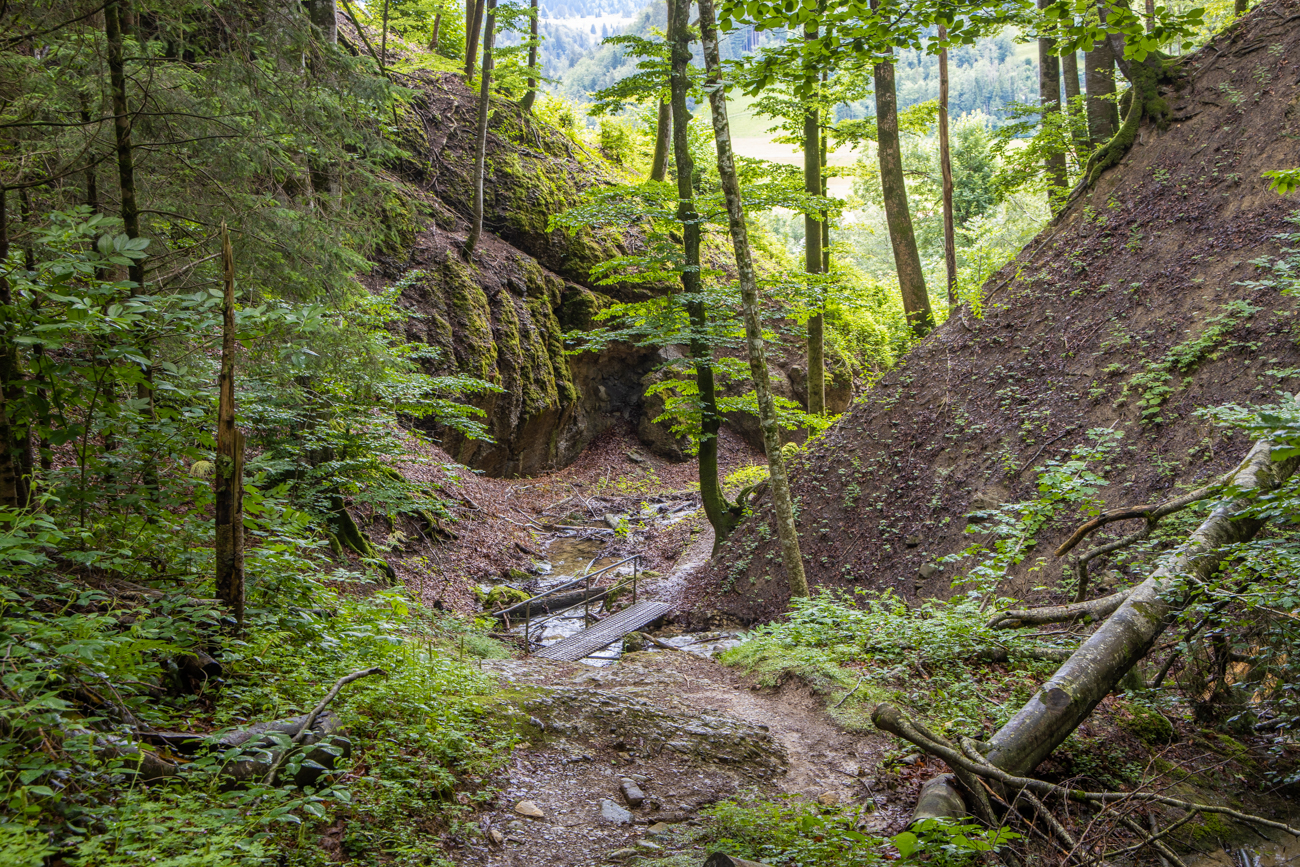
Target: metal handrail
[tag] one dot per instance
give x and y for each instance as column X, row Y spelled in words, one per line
column 635, row 560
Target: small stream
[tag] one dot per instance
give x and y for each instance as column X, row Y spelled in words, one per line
column 571, row 557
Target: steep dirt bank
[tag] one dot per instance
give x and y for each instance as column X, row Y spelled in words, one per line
column 1076, row 334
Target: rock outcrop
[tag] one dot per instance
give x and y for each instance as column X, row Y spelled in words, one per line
column 502, row 317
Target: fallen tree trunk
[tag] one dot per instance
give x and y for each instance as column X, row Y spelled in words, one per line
column 721, row 859
column 551, row 604
column 939, row 799
column 1126, row 637
column 264, row 747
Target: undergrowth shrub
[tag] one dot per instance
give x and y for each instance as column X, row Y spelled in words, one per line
column 89, row 669
column 934, row 657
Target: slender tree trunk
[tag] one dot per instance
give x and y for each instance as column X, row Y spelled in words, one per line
column 12, row 494
column 23, row 433
column 907, row 259
column 825, row 177
column 474, row 17
column 383, row 41
column 1078, row 125
column 812, row 234
column 1049, row 97
column 433, row 37
column 945, row 169
column 715, row 504
column 531, row 96
column 126, row 169
column 782, row 502
column 663, row 124
column 1151, row 15
column 230, row 458
column 480, row 147
column 1103, row 111
column 323, row 14
column 1240, row 7
column 1127, row 635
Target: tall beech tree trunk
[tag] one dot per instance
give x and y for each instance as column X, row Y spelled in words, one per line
column 812, row 235
column 907, row 259
column 383, row 40
column 1103, row 111
column 229, row 506
column 663, row 132
column 531, row 96
column 1127, row 635
column 782, row 502
column 323, row 13
column 1049, row 97
column 945, row 169
column 433, row 37
column 716, row 507
column 473, row 20
column 1145, row 102
column 1078, row 131
column 480, row 145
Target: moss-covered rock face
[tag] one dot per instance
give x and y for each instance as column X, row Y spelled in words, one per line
column 502, row 316
column 531, row 172
column 498, row 319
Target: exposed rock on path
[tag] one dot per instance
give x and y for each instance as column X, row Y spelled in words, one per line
column 686, row 731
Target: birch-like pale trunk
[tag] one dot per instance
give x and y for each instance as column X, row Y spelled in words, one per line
column 782, row 502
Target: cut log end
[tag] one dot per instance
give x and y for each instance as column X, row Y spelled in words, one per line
column 939, row 799
column 1055, row 698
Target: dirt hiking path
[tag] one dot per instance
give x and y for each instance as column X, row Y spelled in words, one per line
column 689, row 732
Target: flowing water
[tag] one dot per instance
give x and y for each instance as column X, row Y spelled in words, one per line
column 571, row 557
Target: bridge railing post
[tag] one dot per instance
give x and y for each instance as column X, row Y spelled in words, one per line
column 528, row 622
column 635, row 562
column 586, row 603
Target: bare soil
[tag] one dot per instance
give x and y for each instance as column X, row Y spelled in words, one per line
column 1134, row 268
column 500, row 526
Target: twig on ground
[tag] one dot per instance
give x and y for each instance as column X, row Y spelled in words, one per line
column 1153, row 840
column 849, row 693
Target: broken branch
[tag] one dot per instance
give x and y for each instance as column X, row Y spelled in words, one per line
column 1152, row 512
column 1093, row 609
column 888, row 718
column 309, row 720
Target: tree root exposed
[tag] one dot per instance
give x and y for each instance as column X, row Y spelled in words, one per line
column 1093, row 609
column 890, row 719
